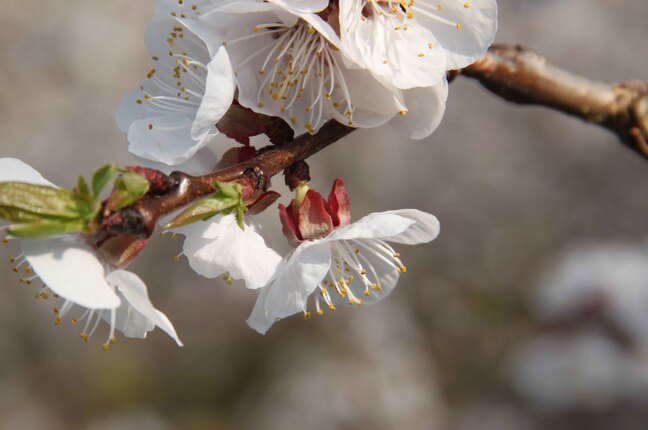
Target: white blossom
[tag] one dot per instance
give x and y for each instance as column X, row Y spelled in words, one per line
column 353, row 265
column 72, row 270
column 173, row 113
column 288, row 63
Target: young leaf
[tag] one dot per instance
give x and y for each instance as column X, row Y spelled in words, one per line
column 128, row 189
column 204, row 209
column 46, row 228
column 83, row 190
column 102, row 177
column 21, row 200
column 230, row 189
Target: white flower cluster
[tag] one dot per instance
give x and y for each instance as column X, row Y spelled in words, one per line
column 364, row 63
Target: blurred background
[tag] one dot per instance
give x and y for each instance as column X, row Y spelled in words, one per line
column 529, row 312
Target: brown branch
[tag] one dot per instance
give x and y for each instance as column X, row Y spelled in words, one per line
column 141, row 218
column 511, row 72
column 524, row 77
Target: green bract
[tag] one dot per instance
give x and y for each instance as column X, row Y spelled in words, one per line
column 226, row 200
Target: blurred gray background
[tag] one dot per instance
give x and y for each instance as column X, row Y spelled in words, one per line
column 514, row 189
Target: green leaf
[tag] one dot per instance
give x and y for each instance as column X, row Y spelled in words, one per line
column 204, row 209
column 128, row 189
column 230, row 189
column 47, row 228
column 226, row 200
column 83, row 190
column 102, row 177
column 20, row 201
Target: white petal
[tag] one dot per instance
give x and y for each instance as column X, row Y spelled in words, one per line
column 374, row 104
column 397, row 51
column 203, row 162
column 14, row 170
column 425, row 109
column 219, row 93
column 219, row 246
column 166, row 139
column 159, row 41
column 72, row 271
column 296, row 279
column 478, row 25
column 302, row 6
column 425, row 227
column 134, row 291
column 375, row 225
column 128, row 321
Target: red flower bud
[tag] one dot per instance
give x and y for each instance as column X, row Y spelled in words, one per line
column 311, row 217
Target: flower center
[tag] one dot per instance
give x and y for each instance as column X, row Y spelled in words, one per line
column 299, row 73
column 352, row 273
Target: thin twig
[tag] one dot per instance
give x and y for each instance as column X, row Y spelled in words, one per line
column 521, row 76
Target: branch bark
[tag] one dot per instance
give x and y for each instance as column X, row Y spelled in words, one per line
column 521, row 76
column 510, row 72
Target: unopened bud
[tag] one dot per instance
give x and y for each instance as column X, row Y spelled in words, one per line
column 297, row 174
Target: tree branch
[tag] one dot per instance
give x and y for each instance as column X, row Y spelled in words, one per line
column 510, row 72
column 524, row 77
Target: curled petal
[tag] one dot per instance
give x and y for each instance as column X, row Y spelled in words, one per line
column 136, row 295
column 219, row 93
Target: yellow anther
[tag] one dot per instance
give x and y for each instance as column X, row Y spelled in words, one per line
column 367, row 293
column 57, row 321
column 332, row 307
column 421, row 54
column 105, row 346
column 458, row 26
column 260, row 104
column 466, row 5
column 396, row 254
column 150, row 126
column 74, row 321
column 403, row 112
column 320, row 312
column 363, row 272
column 261, row 71
column 374, row 286
column 307, row 315
column 385, row 61
column 257, row 29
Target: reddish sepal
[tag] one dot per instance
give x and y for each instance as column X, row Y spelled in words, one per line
column 313, row 218
column 264, row 201
column 339, row 204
